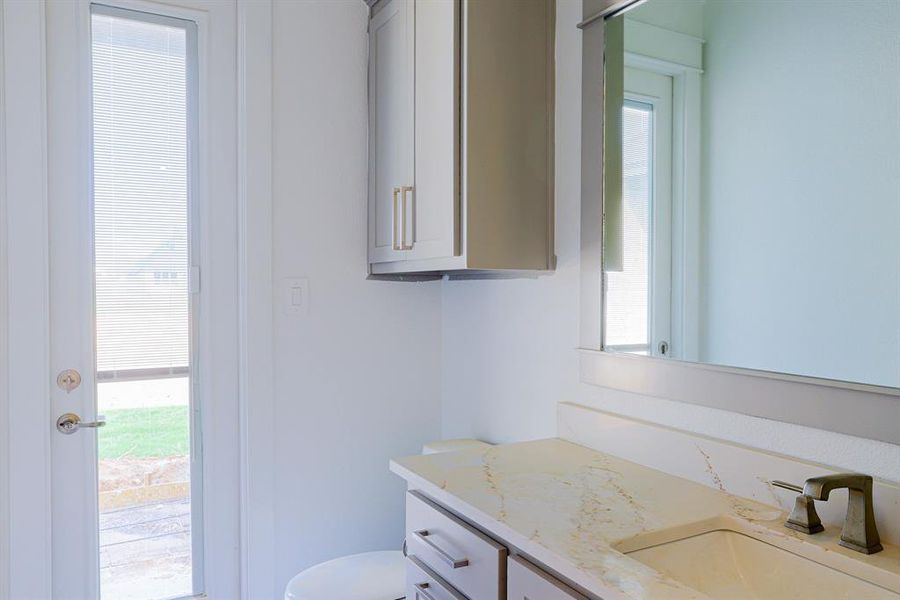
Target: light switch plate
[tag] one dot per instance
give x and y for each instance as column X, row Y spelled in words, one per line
column 295, row 296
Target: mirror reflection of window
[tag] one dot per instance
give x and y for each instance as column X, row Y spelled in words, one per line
column 741, row 229
column 639, row 286
column 627, row 291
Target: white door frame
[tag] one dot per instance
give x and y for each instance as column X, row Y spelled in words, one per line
column 236, row 354
column 73, row 466
column 27, row 426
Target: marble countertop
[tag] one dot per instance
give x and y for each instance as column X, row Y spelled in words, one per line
column 569, row 507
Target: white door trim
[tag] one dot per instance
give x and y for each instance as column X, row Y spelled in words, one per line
column 27, row 308
column 256, row 299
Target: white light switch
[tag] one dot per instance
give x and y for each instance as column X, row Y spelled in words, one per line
column 296, row 296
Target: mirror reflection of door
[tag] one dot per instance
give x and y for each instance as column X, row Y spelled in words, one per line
column 639, row 296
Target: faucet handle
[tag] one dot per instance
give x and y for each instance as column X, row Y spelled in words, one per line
column 803, row 517
column 793, row 487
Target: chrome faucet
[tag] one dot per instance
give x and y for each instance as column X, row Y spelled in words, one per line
column 859, row 532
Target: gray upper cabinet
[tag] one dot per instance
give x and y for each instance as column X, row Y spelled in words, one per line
column 461, row 135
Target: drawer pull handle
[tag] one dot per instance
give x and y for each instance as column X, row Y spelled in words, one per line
column 453, row 563
column 422, row 590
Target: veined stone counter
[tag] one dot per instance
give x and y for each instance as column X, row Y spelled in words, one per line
column 569, row 508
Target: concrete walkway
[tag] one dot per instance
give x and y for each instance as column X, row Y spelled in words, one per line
column 145, row 551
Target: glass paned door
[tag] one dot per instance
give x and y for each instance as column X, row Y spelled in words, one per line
column 143, row 87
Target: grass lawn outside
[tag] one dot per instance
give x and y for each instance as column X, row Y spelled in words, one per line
column 155, row 431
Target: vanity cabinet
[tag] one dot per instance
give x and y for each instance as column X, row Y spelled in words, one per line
column 526, row 581
column 460, row 135
column 449, row 559
column 464, row 557
column 424, row 584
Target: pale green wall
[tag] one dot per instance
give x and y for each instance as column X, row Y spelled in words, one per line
column 801, row 188
column 801, row 183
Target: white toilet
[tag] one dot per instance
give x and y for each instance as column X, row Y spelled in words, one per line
column 368, row 576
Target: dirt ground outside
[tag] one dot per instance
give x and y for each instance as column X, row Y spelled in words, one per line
column 136, row 481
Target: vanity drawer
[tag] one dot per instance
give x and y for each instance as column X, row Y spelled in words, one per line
column 467, row 559
column 424, row 584
column 526, row 581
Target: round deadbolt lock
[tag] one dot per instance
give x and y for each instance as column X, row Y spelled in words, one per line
column 68, row 380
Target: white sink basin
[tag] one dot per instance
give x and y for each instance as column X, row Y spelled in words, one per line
column 730, row 565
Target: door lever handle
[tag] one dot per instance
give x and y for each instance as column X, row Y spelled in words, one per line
column 69, row 423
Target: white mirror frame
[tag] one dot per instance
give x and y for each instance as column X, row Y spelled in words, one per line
column 860, row 410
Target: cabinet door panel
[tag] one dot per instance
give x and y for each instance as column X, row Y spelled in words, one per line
column 527, row 582
column 434, row 203
column 391, row 123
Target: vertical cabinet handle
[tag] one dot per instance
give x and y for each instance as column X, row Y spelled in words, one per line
column 404, row 217
column 398, row 209
column 394, row 213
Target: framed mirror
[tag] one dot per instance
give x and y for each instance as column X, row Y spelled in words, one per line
column 751, row 187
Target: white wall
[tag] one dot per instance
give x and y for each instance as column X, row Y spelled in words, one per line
column 341, row 411
column 801, row 189
column 509, row 346
column 488, row 359
column 684, row 16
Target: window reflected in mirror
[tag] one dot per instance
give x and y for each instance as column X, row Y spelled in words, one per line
column 752, row 185
column 628, row 289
